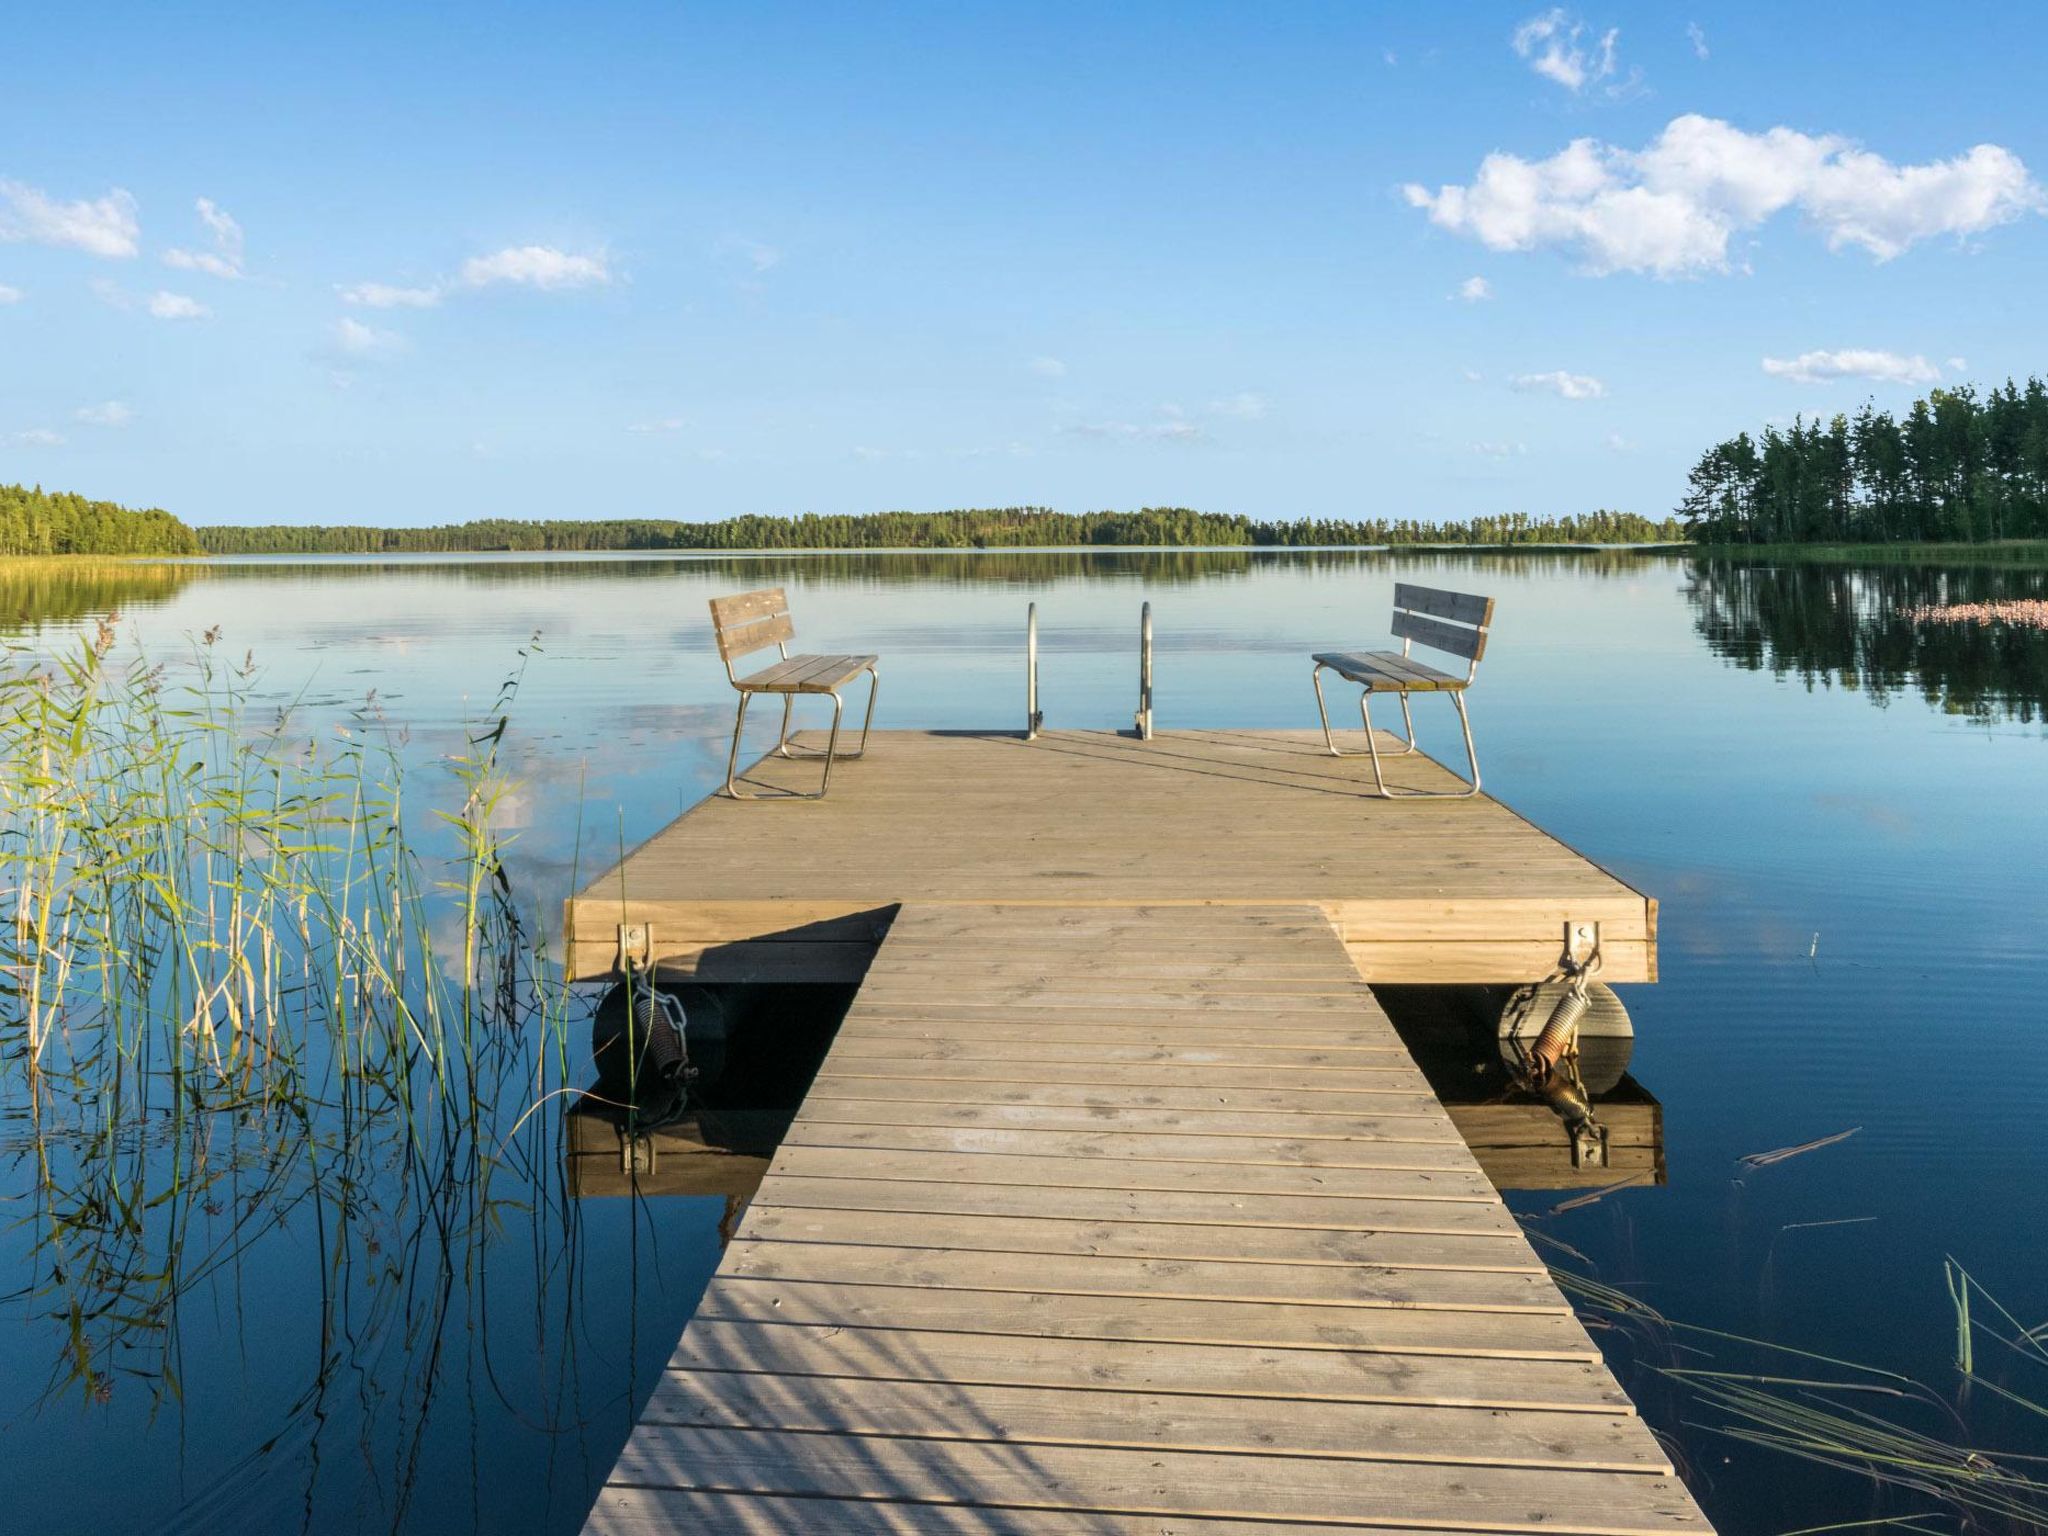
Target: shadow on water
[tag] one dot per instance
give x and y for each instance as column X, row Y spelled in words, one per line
column 1854, row 626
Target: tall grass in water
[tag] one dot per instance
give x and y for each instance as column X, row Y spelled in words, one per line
column 1915, row 1442
column 233, row 982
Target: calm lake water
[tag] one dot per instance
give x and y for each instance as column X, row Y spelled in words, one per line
column 1844, row 815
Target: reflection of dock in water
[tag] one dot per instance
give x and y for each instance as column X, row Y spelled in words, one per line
column 1117, row 1203
column 1519, row 1136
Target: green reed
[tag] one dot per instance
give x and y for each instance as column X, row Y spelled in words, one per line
column 1903, row 1435
column 239, row 984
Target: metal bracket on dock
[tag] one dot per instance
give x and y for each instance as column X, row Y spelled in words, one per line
column 636, row 946
column 636, row 1155
column 1034, row 717
column 1144, row 716
column 1589, row 1144
column 1581, row 947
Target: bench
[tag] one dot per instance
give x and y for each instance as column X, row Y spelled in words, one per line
column 1452, row 622
column 753, row 621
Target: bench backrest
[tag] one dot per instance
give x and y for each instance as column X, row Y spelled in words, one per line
column 746, row 623
column 1455, row 622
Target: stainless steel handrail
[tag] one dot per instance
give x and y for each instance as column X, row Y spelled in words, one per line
column 1034, row 717
column 1144, row 717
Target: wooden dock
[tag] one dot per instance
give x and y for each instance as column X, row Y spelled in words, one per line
column 1429, row 891
column 1130, row 1219
column 1118, row 1205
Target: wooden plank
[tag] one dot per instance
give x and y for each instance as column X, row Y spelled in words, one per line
column 1404, row 1249
column 1152, row 1319
column 823, row 1108
column 1312, row 1187
column 1388, row 1088
column 1388, row 671
column 1310, row 1375
column 739, row 608
column 1453, row 639
column 627, row 1511
column 958, row 1410
column 746, row 637
column 953, row 1197
column 1057, row 1274
column 1451, row 1162
column 1458, row 607
column 1161, row 1483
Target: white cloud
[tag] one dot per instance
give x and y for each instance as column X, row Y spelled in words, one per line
column 40, row 437
column 1550, row 42
column 102, row 226
column 1670, row 209
column 1047, row 367
column 1568, row 386
column 176, row 306
column 1474, row 376
column 1696, row 35
column 225, row 259
column 1500, row 450
column 1173, row 429
column 1245, row 405
column 1619, row 443
column 662, row 427
column 759, row 256
column 1853, row 363
column 9, row 295
column 388, row 296
column 1474, row 289
column 354, row 339
column 535, row 266
column 1959, row 365
column 113, row 413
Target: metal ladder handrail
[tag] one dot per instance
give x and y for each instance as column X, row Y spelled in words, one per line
column 1143, row 720
column 1034, row 717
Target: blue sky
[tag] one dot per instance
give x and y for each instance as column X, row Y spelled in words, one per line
column 408, row 265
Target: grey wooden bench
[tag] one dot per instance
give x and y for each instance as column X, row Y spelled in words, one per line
column 1451, row 622
column 753, row 621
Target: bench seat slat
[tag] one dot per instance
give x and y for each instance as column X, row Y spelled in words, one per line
column 1389, row 672
column 806, row 674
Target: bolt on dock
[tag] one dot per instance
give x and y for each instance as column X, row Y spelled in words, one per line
column 1118, row 1204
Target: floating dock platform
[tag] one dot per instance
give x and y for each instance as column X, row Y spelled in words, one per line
column 1117, row 1204
column 1419, row 890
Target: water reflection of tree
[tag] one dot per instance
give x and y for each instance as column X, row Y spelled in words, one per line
column 941, row 568
column 62, row 591
column 1828, row 624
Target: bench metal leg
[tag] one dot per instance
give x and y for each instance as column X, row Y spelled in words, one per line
column 1471, row 752
column 787, row 748
column 732, row 760
column 1407, row 721
column 831, row 747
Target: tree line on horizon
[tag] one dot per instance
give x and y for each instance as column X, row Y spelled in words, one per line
column 34, row 521
column 1956, row 467
column 979, row 528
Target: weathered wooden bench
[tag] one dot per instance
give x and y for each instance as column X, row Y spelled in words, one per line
column 753, row 621
column 1452, row 622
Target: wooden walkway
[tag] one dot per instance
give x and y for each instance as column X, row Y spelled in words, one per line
column 1132, row 1219
column 1428, row 891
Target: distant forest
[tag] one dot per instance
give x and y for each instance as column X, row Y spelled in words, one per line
column 34, row 521
column 1007, row 527
column 1957, row 467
